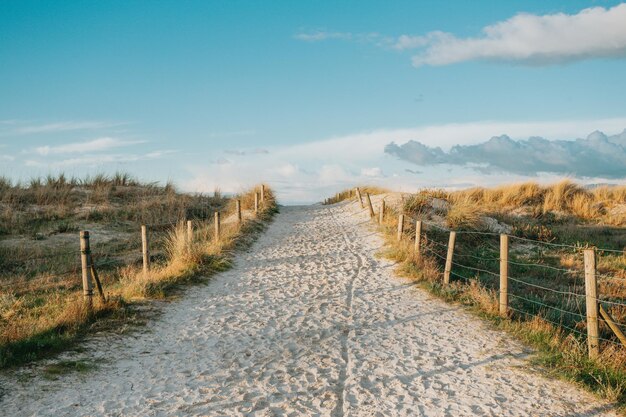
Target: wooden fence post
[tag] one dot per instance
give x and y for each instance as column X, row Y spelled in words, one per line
column 189, row 231
column 256, row 202
column 238, row 207
column 418, row 237
column 504, row 275
column 358, row 195
column 262, row 193
column 448, row 269
column 85, row 260
column 144, row 250
column 400, row 226
column 217, row 226
column 369, row 203
column 591, row 292
column 381, row 213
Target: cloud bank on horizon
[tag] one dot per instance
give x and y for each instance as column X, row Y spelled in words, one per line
column 596, row 156
column 525, row 38
column 311, row 171
column 448, row 155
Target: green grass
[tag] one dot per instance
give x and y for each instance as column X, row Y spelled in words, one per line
column 53, row 371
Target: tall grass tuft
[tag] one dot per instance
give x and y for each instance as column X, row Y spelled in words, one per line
column 41, row 308
column 563, row 213
column 463, row 213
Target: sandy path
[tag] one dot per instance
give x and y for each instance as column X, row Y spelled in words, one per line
column 309, row 322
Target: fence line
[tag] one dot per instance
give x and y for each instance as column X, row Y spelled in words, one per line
column 594, row 301
column 90, row 259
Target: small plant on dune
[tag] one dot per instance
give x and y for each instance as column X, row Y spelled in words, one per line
column 5, row 183
column 535, row 232
column 436, row 193
column 559, row 196
column 373, row 190
column 181, row 249
column 351, row 193
column 463, row 214
column 416, row 204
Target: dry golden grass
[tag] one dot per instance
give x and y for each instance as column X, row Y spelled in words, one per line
column 463, row 213
column 36, row 207
column 351, row 193
column 565, row 197
column 42, row 312
column 562, row 213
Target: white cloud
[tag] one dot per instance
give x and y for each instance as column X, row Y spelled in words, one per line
column 333, row 173
column 526, row 38
column 321, row 35
column 412, row 42
column 596, row 156
column 312, row 171
column 241, row 152
column 373, row 38
column 96, row 145
column 287, row 170
column 232, row 133
column 97, row 160
column 159, row 154
column 361, row 146
column 372, row 172
column 61, row 126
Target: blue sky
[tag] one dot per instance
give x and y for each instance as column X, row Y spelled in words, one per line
column 306, row 95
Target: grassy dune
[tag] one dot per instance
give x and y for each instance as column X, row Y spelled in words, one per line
column 547, row 311
column 41, row 306
column 347, row 194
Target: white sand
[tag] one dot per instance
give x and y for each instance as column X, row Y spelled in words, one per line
column 308, row 322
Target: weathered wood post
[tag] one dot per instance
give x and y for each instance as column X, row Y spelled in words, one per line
column 144, row 250
column 189, row 231
column 238, row 208
column 448, row 268
column 591, row 292
column 256, row 203
column 217, row 226
column 358, row 195
column 94, row 275
column 400, row 226
column 262, row 193
column 369, row 204
column 85, row 261
column 610, row 321
column 504, row 275
column 418, row 237
column 381, row 213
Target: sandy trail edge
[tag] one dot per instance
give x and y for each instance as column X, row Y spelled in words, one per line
column 308, row 322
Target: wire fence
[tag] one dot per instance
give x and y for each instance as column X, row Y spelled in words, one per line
column 24, row 272
column 531, row 278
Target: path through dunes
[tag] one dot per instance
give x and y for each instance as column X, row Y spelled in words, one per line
column 308, row 322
